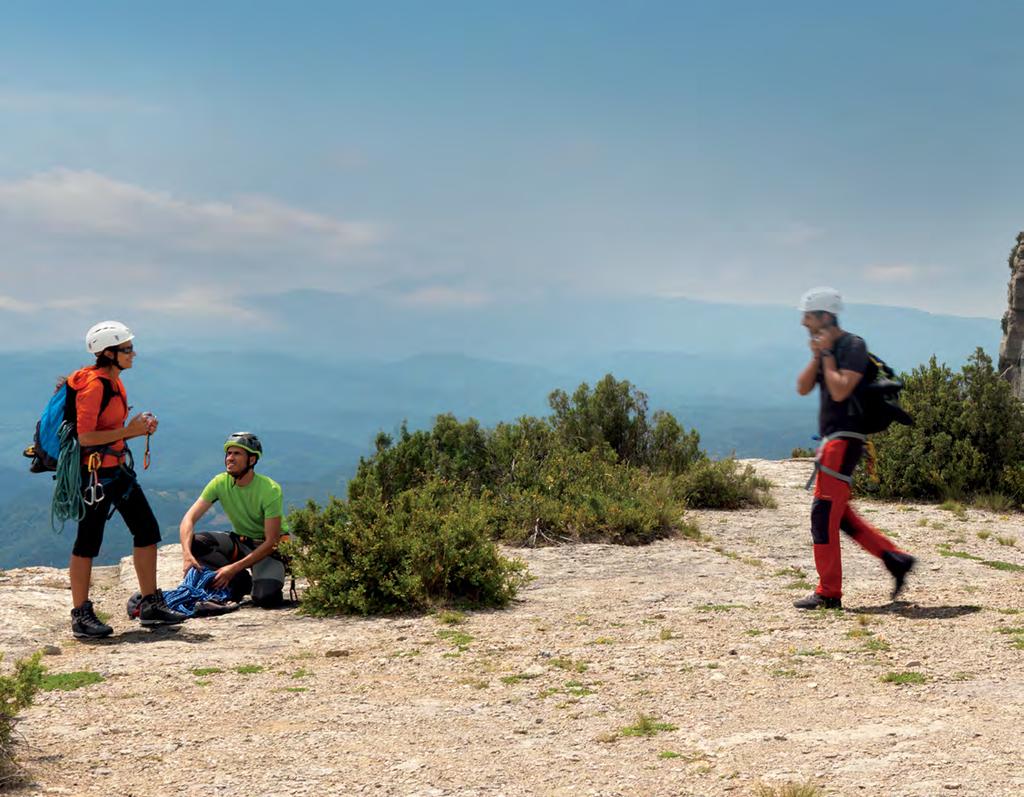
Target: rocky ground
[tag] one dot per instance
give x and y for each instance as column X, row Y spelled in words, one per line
column 697, row 637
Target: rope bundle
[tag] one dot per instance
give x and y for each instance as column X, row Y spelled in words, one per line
column 67, row 492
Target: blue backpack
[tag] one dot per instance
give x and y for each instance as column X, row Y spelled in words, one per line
column 59, row 419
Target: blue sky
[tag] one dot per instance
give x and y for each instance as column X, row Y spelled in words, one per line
column 185, row 156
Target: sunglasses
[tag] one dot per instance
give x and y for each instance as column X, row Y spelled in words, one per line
column 125, row 349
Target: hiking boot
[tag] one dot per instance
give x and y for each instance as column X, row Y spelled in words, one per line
column 153, row 611
column 86, row 625
column 816, row 601
column 898, row 564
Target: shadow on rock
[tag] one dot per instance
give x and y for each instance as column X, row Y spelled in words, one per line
column 913, row 611
column 159, row 634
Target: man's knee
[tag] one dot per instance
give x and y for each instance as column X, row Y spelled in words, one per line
column 821, row 511
column 267, row 594
column 208, row 551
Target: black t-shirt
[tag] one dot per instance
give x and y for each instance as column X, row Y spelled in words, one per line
column 851, row 353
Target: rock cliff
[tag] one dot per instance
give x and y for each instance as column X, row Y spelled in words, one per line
column 1012, row 346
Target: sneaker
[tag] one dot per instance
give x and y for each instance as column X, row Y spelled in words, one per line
column 898, row 564
column 816, row 601
column 153, row 611
column 86, row 625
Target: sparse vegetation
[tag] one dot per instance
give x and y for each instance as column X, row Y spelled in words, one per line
column 646, row 726
column 993, row 502
column 807, row 789
column 201, row 672
column 69, row 681
column 460, row 639
column 904, row 678
column 249, row 669
column 17, row 691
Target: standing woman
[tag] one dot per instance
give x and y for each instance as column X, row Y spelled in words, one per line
column 110, row 485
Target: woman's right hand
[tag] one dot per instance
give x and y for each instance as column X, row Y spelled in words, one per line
column 137, row 426
column 187, row 563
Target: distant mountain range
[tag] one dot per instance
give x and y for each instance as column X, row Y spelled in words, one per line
column 338, row 370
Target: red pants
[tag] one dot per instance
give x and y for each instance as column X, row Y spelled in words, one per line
column 831, row 512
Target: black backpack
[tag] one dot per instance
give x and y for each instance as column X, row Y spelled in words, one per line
column 877, row 398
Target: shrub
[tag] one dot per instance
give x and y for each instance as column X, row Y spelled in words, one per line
column 423, row 511
column 586, row 497
column 722, row 484
column 430, row 545
column 17, row 692
column 615, row 413
column 966, row 440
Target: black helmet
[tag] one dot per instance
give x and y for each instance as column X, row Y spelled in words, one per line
column 246, row 440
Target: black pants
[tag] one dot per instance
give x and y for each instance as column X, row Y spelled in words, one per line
column 215, row 549
column 124, row 493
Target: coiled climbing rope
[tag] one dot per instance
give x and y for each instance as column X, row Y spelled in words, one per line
column 67, row 492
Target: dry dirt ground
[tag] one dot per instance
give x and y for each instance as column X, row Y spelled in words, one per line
column 697, row 635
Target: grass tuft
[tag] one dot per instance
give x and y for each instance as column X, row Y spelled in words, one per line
column 69, row 681
column 646, row 726
column 904, row 678
column 807, row 789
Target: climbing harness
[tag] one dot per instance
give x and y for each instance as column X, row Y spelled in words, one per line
column 829, row 471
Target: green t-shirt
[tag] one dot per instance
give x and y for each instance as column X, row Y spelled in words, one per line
column 246, row 507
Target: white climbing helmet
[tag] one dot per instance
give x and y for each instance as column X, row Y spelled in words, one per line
column 821, row 300
column 106, row 334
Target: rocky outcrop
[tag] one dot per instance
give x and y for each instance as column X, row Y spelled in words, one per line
column 1012, row 347
column 543, row 697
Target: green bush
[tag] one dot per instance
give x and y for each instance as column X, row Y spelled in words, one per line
column 432, row 544
column 615, row 413
column 17, row 692
column 586, row 497
column 423, row 510
column 967, row 439
column 722, row 484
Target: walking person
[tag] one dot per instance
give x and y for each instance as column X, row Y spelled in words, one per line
column 101, row 405
column 838, row 363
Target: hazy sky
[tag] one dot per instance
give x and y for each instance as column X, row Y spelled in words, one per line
column 177, row 157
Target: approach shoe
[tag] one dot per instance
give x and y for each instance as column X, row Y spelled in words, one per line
column 816, row 601
column 898, row 564
column 86, row 625
column 153, row 611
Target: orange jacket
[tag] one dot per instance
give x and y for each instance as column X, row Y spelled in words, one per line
column 88, row 387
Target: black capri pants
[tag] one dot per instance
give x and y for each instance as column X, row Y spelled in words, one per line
column 123, row 492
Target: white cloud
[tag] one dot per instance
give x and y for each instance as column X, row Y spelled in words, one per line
column 12, row 305
column 197, row 303
column 900, row 272
column 84, row 204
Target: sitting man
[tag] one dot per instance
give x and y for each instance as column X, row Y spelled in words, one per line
column 254, row 505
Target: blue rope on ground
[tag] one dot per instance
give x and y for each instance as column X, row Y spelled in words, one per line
column 195, row 587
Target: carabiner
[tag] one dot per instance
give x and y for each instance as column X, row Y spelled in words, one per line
column 145, row 457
